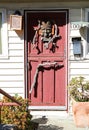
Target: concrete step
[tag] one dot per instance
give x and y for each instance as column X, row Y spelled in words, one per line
column 56, row 123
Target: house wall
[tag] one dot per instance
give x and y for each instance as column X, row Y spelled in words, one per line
column 12, row 68
column 78, row 66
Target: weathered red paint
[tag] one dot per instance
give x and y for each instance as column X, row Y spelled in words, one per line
column 51, row 83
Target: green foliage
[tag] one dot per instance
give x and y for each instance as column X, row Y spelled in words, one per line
column 18, row 115
column 79, row 89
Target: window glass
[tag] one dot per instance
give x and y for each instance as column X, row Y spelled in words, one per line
column 0, row 33
column 3, row 34
column 88, row 32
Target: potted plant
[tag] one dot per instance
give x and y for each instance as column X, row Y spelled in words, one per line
column 79, row 93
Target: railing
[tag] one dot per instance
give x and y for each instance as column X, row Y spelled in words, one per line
column 14, row 103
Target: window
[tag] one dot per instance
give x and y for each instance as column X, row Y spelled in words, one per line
column 87, row 31
column 0, row 33
column 3, row 34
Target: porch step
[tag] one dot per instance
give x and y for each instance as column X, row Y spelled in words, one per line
column 8, row 127
column 56, row 123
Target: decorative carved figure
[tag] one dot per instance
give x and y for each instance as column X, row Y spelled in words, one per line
column 48, row 33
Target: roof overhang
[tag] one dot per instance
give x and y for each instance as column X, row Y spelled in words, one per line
column 32, row 1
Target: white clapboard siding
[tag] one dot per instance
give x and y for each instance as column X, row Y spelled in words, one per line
column 79, row 71
column 13, row 59
column 77, row 66
column 12, row 68
column 11, row 71
column 80, row 65
column 15, row 40
column 16, row 46
column 13, row 90
column 12, row 33
column 11, row 84
column 10, row 78
column 16, row 53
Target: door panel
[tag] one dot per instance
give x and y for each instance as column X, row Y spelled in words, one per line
column 47, row 71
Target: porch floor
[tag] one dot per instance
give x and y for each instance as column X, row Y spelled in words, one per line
column 55, row 123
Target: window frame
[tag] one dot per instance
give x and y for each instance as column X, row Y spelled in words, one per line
column 4, row 40
column 87, row 43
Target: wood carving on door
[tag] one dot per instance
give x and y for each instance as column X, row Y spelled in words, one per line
column 47, row 58
column 48, row 33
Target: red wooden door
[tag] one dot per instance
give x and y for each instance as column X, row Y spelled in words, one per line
column 47, row 72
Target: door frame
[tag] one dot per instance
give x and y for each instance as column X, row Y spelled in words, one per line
column 26, row 66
